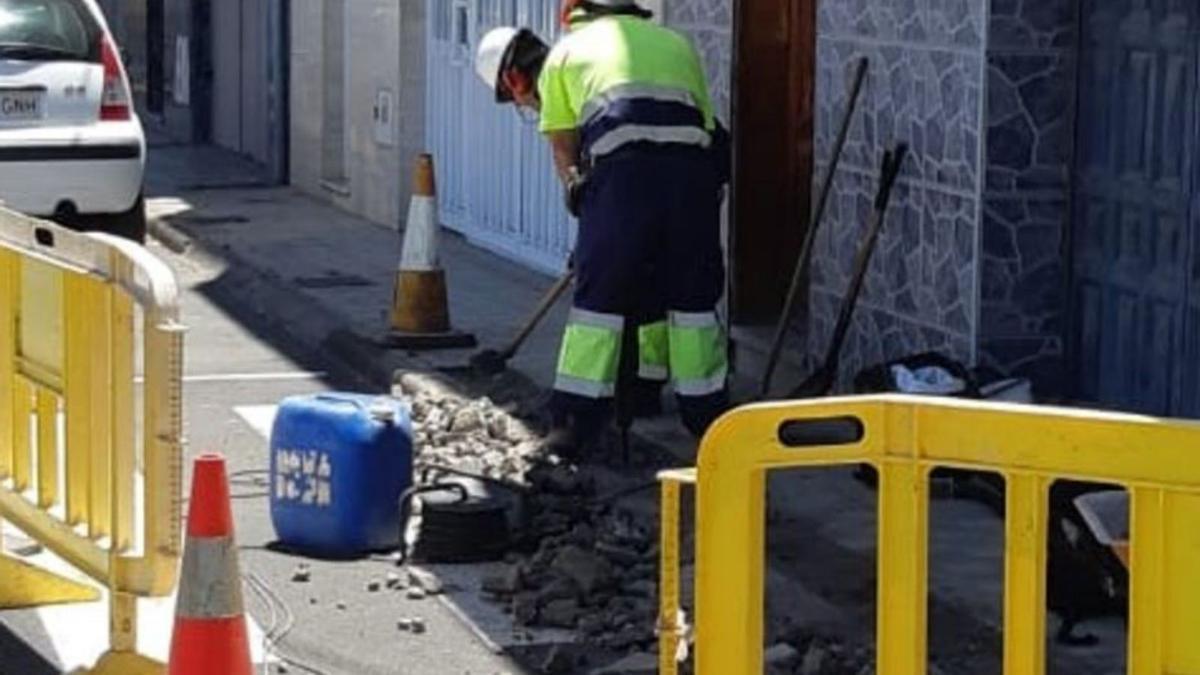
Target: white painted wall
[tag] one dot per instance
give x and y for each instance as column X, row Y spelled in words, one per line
column 385, row 40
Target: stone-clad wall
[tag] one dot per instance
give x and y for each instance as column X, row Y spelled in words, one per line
column 925, row 87
column 1032, row 53
column 973, row 260
column 710, row 25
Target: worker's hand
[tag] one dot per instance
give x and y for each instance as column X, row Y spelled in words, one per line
column 574, row 185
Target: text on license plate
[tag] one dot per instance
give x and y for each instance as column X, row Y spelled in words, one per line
column 21, row 105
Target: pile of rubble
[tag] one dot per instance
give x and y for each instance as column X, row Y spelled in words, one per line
column 473, row 436
column 594, row 568
column 582, row 562
column 805, row 654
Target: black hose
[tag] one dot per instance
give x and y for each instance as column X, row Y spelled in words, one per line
column 466, row 530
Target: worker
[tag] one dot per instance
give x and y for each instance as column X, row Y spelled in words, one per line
column 626, row 109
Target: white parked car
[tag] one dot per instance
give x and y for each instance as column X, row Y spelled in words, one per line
column 71, row 145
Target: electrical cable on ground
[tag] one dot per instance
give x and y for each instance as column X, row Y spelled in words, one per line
column 278, row 629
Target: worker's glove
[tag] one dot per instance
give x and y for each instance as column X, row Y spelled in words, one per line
column 574, row 186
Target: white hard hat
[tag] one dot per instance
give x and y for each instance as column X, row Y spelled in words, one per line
column 493, row 49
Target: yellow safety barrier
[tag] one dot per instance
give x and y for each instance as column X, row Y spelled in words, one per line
column 77, row 472
column 905, row 438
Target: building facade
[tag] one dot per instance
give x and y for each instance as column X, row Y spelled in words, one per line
column 210, row 71
column 1047, row 223
column 357, row 102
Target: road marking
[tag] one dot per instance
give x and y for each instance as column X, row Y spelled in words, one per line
column 288, row 376
column 260, row 417
column 78, row 632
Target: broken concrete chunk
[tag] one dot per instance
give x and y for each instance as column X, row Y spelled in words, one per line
column 640, row 663
column 393, row 581
column 589, row 571
column 498, row 427
column 593, row 624
column 416, row 593
column 373, row 586
column 404, row 625
column 525, row 608
column 781, row 654
column 619, row 555
column 560, row 588
column 425, row 581
column 643, row 589
column 341, row 605
column 418, row 625
column 302, row 574
column 560, row 614
column 506, row 583
column 559, row 661
column 814, row 660
column 582, row 535
column 467, row 420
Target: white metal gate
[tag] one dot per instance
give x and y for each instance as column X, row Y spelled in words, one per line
column 240, row 82
column 496, row 182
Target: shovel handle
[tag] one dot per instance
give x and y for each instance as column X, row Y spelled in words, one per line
column 556, row 291
column 893, row 160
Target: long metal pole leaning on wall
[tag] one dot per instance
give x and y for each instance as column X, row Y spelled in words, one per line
column 103, row 495
column 905, row 439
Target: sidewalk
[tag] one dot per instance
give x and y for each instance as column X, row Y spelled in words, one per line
column 279, row 245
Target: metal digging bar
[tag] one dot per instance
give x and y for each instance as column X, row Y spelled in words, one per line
column 820, row 382
column 810, row 237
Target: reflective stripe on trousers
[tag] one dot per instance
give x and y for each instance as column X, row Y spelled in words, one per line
column 697, row 353
column 590, row 354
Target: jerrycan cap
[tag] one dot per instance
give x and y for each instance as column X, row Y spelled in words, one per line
column 381, row 411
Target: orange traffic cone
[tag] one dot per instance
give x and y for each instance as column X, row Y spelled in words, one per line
column 420, row 310
column 210, row 624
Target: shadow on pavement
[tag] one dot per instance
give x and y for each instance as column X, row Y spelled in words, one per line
column 17, row 658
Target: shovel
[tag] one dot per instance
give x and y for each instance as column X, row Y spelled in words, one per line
column 493, row 362
column 821, row 382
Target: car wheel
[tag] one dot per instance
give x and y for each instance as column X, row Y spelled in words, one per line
column 130, row 224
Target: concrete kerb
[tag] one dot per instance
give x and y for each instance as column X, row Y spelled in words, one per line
column 168, row 235
column 287, row 312
column 316, row 327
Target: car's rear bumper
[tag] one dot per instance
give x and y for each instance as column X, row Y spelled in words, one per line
column 97, row 169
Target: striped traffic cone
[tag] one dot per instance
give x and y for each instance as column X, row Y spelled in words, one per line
column 210, row 624
column 420, row 314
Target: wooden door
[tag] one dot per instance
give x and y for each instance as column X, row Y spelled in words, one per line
column 1136, row 274
column 775, row 58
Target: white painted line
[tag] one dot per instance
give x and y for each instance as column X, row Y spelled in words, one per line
column 260, row 417
column 78, row 632
column 289, row 376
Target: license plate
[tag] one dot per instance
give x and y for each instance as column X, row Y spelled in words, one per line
column 22, row 104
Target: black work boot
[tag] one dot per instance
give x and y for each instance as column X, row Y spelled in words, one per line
column 573, row 437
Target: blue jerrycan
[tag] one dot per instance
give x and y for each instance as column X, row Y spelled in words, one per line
column 339, row 463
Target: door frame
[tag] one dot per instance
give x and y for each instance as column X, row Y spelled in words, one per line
column 202, row 71
column 774, row 75
column 1190, row 334
column 156, row 37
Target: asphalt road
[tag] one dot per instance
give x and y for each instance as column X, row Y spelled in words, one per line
column 235, row 373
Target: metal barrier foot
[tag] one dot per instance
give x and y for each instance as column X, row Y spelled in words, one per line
column 126, row 663
column 28, row 586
